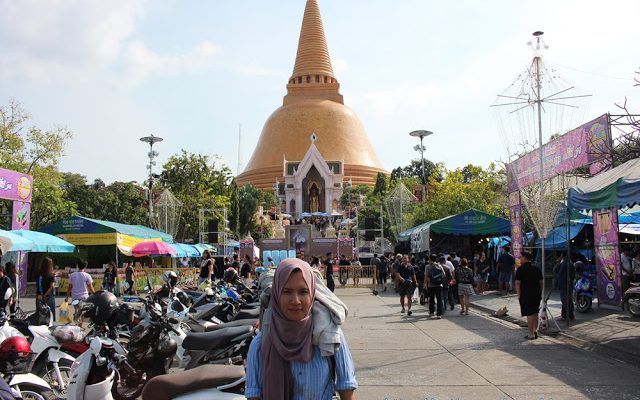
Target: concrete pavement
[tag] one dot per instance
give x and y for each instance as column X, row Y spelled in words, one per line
column 470, row 357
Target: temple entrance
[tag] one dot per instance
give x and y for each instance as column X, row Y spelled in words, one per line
column 313, row 192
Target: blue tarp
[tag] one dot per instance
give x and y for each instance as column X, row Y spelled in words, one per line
column 470, row 222
column 557, row 238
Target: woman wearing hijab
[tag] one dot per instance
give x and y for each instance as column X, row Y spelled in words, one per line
column 283, row 363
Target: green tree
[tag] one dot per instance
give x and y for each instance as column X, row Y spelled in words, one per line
column 37, row 152
column 249, row 199
column 381, row 184
column 464, row 188
column 414, row 170
column 199, row 183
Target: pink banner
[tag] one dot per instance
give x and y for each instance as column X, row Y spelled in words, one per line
column 605, row 233
column 587, row 144
column 15, row 185
column 515, row 216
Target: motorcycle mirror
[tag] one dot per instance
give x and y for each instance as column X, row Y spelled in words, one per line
column 75, row 302
column 173, row 320
column 8, row 293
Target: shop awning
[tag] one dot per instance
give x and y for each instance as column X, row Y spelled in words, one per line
column 470, row 222
column 619, row 187
column 88, row 231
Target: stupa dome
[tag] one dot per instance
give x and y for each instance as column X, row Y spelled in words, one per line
column 313, row 104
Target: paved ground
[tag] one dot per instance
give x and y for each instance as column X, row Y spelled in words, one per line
column 470, row 357
column 480, row 357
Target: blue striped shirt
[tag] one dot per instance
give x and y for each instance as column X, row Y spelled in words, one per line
column 311, row 380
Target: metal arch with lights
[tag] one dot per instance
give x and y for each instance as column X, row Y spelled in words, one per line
column 421, row 134
column 152, row 155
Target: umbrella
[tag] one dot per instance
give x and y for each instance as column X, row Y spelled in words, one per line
column 179, row 251
column 11, row 242
column 305, row 214
column 152, row 249
column 45, row 243
column 189, row 250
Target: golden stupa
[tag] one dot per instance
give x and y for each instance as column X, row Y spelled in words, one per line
column 313, row 104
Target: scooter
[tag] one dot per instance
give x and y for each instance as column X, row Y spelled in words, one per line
column 584, row 290
column 631, row 300
column 15, row 354
column 208, row 382
column 94, row 371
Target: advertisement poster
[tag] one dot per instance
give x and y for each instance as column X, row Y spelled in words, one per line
column 605, row 232
column 21, row 218
column 345, row 246
column 420, row 242
column 299, row 238
column 246, row 249
column 587, row 144
column 515, row 216
column 15, row 185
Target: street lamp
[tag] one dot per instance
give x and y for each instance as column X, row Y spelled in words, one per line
column 421, row 134
column 152, row 155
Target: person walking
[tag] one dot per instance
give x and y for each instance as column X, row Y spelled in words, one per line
column 433, row 280
column 129, row 278
column 529, row 291
column 383, row 272
column 407, row 283
column 356, row 266
column 506, row 264
column 464, row 277
column 80, row 285
column 12, row 273
column 483, row 273
column 328, row 262
column 45, row 285
column 565, row 272
column 283, row 362
column 448, row 284
column 5, row 284
column 110, row 278
column 373, row 263
column 206, row 268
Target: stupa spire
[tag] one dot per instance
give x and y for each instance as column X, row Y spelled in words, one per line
column 312, row 72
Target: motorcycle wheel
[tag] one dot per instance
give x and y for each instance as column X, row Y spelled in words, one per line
column 583, row 304
column 34, row 392
column 126, row 386
column 632, row 305
column 47, row 373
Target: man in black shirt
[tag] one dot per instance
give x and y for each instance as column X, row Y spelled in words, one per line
column 406, row 282
column 506, row 265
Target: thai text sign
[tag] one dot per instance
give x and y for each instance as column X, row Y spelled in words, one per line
column 605, row 233
column 584, row 145
column 515, row 216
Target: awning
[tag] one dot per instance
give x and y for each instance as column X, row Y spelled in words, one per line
column 88, row 232
column 45, row 243
column 470, row 222
column 619, row 187
column 557, row 238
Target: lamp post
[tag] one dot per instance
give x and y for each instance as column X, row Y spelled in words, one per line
column 421, row 134
column 152, row 155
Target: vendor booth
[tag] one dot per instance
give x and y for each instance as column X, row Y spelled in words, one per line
column 469, row 223
column 604, row 194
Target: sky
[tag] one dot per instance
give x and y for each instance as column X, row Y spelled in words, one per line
column 192, row 72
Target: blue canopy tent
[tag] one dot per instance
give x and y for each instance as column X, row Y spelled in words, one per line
column 470, row 222
column 557, row 238
column 45, row 243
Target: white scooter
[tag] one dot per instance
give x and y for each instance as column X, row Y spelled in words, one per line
column 49, row 362
column 93, row 372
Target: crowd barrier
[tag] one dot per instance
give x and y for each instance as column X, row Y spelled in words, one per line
column 186, row 276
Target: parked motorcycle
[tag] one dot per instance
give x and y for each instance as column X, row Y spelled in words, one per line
column 631, row 300
column 584, row 291
column 208, row 382
column 15, row 361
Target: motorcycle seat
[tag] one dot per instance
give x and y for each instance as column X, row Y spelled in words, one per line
column 251, row 313
column 216, row 339
column 249, row 306
column 234, row 323
column 167, row 387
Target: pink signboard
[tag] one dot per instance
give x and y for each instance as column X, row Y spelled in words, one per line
column 605, row 233
column 15, row 186
column 515, row 216
column 587, row 144
column 21, row 218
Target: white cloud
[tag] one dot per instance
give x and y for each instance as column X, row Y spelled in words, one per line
column 139, row 62
column 63, row 38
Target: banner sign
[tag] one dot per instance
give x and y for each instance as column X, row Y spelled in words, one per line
column 15, row 185
column 515, row 216
column 605, row 232
column 21, row 217
column 587, row 144
column 420, row 241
